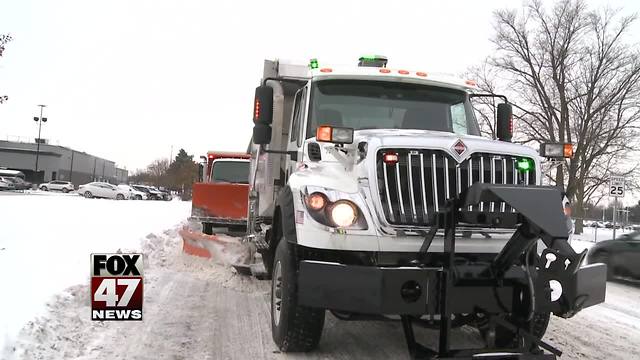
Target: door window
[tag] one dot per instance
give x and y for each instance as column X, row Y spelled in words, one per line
column 298, row 115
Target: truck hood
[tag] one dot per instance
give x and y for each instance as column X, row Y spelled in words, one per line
column 389, row 138
column 342, row 168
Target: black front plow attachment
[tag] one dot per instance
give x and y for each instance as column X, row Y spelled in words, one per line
column 554, row 282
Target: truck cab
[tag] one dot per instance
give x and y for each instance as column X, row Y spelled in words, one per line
column 351, row 171
column 220, row 200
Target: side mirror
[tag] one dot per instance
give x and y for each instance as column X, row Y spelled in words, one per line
column 504, row 125
column 263, row 105
column 262, row 115
column 200, row 172
column 261, row 134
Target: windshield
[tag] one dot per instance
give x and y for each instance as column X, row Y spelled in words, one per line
column 361, row 104
column 230, row 171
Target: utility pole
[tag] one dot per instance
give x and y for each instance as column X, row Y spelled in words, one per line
column 171, row 156
column 71, row 168
column 615, row 209
column 40, row 120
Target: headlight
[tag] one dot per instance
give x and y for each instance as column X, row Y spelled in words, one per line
column 344, row 213
column 334, row 209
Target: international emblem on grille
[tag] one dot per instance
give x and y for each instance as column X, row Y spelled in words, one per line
column 459, row 147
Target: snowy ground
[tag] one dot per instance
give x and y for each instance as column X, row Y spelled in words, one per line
column 198, row 310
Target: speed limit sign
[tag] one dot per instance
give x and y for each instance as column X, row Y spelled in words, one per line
column 616, row 186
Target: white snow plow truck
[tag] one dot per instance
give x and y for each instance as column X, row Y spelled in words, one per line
column 373, row 195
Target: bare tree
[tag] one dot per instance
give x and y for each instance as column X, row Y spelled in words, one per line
column 157, row 172
column 4, row 39
column 577, row 76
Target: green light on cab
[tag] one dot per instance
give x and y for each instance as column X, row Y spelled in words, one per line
column 524, row 165
column 313, row 63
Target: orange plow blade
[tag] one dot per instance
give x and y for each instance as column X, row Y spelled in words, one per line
column 218, row 247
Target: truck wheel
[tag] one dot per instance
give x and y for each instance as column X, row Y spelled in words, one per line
column 294, row 328
column 506, row 339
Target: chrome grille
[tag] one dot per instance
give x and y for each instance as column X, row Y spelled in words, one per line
column 418, row 185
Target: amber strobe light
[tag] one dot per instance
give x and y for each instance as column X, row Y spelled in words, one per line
column 323, row 133
column 568, row 150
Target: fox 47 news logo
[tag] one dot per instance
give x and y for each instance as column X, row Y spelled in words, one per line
column 116, row 287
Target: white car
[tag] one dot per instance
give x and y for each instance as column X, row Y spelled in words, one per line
column 5, row 184
column 102, row 190
column 57, row 185
column 133, row 193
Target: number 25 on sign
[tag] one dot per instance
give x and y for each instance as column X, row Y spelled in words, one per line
column 616, row 186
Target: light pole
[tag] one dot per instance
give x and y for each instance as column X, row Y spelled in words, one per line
column 39, row 120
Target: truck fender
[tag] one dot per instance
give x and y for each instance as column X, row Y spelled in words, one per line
column 285, row 216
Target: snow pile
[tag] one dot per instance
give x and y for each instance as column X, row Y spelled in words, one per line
column 66, row 331
column 47, row 240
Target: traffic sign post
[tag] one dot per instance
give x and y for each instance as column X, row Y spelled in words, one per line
column 616, row 190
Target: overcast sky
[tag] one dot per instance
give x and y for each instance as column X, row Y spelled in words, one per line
column 126, row 80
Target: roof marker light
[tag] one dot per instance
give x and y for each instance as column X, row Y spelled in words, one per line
column 421, row 73
column 471, row 83
column 385, row 70
column 326, row 70
column 403, row 72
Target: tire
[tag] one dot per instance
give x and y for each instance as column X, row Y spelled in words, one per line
column 44, row 188
column 604, row 258
column 506, row 339
column 119, row 197
column 294, row 328
column 138, row 197
column 88, row 194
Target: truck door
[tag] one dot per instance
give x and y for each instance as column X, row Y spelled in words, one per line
column 296, row 138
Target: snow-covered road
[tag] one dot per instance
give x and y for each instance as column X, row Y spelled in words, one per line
column 198, row 310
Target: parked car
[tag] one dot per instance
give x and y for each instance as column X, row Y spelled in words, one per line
column 102, row 190
column 621, row 255
column 166, row 195
column 57, row 185
column 152, row 194
column 5, row 184
column 133, row 193
column 19, row 183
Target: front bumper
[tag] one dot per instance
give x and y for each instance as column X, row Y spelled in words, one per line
column 415, row 290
